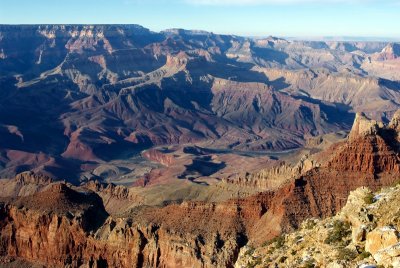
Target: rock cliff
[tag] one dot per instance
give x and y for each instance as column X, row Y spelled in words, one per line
column 100, row 225
column 364, row 234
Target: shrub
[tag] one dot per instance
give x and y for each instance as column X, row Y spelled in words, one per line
column 339, row 231
column 363, row 255
column 254, row 263
column 395, row 183
column 249, row 252
column 369, row 199
column 308, row 264
column 346, row 254
column 282, row 259
column 279, row 242
column 270, row 251
column 309, row 224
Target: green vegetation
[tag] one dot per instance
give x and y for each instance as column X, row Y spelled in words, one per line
column 369, row 198
column 282, row 259
column 339, row 231
column 395, row 183
column 249, row 252
column 254, row 263
column 346, row 254
column 363, row 255
column 308, row 264
column 309, row 224
column 279, row 242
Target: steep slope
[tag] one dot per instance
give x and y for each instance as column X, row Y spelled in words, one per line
column 374, row 96
column 363, row 234
column 195, row 234
column 385, row 64
column 370, row 157
column 390, row 52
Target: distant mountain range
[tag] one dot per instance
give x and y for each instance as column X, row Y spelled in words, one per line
column 345, row 38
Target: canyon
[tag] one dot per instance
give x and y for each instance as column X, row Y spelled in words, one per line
column 100, row 225
column 124, row 147
column 103, row 93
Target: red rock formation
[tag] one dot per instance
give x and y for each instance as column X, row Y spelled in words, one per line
column 61, row 226
column 32, row 178
column 158, row 156
column 26, row 183
column 390, row 52
column 273, row 176
column 366, row 159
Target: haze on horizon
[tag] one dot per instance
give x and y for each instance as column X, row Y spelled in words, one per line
column 313, row 19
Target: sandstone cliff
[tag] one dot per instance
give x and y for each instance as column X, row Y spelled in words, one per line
column 364, row 234
column 86, row 226
column 60, row 226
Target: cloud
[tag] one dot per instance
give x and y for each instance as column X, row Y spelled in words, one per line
column 278, row 2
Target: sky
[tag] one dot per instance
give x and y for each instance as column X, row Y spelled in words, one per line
column 286, row 18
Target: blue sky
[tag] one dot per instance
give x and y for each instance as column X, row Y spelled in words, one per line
column 243, row 17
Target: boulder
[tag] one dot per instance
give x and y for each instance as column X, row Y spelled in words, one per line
column 381, row 238
column 388, row 257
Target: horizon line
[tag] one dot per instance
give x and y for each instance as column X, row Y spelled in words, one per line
column 326, row 38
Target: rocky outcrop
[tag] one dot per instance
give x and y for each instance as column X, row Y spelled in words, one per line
column 363, row 127
column 372, row 148
column 395, row 122
column 26, row 183
column 159, row 157
column 366, row 159
column 116, row 198
column 30, row 177
column 390, row 52
column 368, row 217
column 275, row 176
column 269, row 178
column 380, row 239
